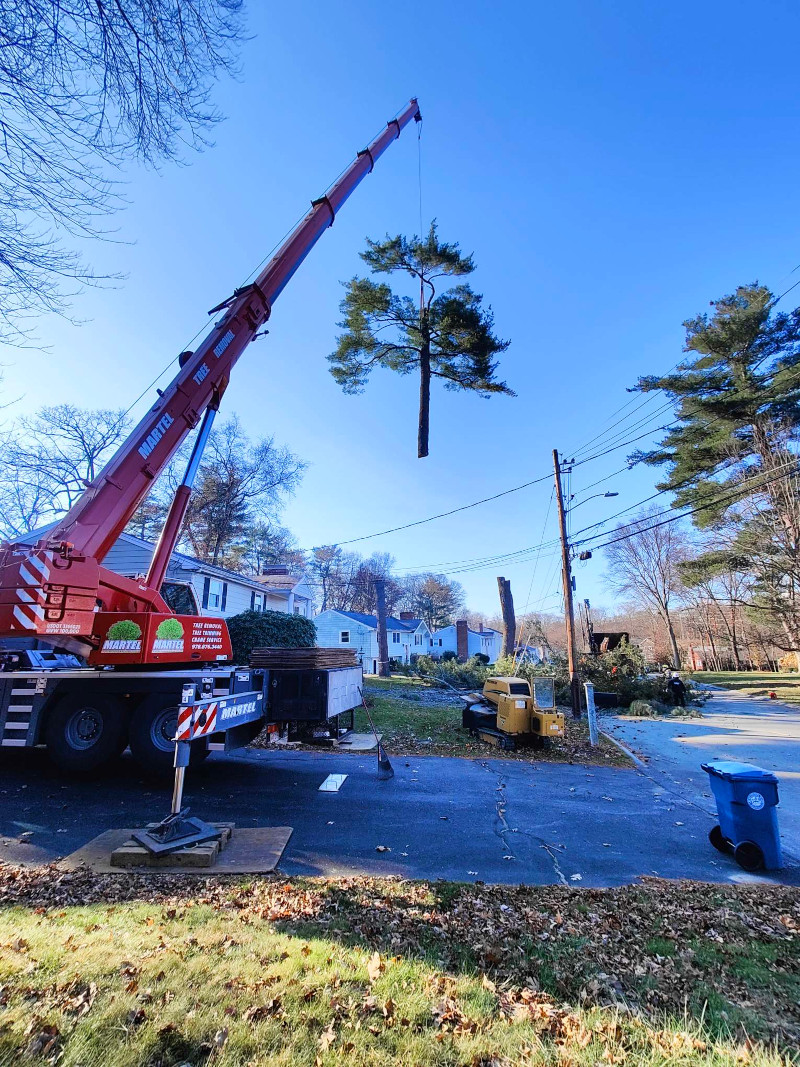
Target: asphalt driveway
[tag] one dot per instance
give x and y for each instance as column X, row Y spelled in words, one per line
column 493, row 820
column 734, row 726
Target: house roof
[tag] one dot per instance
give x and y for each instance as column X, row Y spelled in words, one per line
column 409, row 625
column 278, row 581
column 179, row 559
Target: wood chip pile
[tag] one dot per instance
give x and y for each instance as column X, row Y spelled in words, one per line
column 296, row 659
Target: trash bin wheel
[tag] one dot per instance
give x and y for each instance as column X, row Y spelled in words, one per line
column 718, row 839
column 749, row 856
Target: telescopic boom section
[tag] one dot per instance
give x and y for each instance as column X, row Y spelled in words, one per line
column 95, row 522
column 54, row 587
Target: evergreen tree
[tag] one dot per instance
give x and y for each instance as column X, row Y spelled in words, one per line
column 445, row 335
column 732, row 449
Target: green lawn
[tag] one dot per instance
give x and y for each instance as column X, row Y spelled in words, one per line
column 411, row 724
column 756, row 683
column 137, row 971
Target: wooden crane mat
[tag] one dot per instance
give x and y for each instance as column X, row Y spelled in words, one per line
column 251, row 850
column 288, row 659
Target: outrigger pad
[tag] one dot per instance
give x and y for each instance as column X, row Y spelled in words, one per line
column 175, row 832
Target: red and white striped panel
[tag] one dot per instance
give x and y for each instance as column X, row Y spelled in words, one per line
column 210, row 725
column 34, row 572
column 184, row 732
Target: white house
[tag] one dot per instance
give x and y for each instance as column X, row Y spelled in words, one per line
column 219, row 592
column 407, row 636
column 465, row 642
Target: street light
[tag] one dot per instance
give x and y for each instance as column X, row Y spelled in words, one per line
column 588, row 498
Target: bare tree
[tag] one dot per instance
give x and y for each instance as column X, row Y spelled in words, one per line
column 238, row 483
column 434, row 598
column 47, row 460
column 643, row 564
column 87, row 85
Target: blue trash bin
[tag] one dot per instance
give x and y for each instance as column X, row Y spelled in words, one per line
column 746, row 798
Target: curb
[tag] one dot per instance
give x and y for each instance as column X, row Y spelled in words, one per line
column 624, row 748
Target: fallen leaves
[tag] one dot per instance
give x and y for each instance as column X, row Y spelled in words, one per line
column 375, row 967
column 643, row 949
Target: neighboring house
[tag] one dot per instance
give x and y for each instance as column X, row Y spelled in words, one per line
column 219, row 592
column 407, row 636
column 465, row 642
column 530, row 654
column 285, row 592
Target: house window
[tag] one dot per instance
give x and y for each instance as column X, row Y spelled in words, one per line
column 215, row 592
column 344, row 637
column 417, row 639
column 258, row 601
column 440, row 642
column 298, row 610
column 396, row 638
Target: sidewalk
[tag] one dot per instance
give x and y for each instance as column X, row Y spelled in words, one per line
column 734, row 726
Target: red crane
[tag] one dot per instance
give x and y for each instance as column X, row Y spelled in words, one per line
column 58, row 590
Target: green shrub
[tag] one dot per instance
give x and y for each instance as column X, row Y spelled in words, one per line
column 448, row 655
column 269, row 629
column 449, row 672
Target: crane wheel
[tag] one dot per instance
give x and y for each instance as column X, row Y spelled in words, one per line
column 83, row 733
column 152, row 733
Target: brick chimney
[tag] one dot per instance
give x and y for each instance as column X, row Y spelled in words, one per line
column 462, row 640
column 406, row 616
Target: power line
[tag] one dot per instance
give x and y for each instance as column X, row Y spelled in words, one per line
column 739, row 494
column 444, row 514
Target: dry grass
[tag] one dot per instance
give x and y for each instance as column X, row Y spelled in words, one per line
column 159, row 972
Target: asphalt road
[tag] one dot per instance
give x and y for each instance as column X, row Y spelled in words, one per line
column 494, row 820
column 733, row 726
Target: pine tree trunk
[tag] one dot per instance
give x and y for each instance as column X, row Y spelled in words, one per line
column 424, row 393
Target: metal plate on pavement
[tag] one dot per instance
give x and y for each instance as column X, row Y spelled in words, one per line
column 333, row 783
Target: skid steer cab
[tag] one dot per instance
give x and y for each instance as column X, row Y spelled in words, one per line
column 508, row 714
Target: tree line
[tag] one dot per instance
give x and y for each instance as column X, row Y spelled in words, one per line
column 234, row 517
column 731, row 573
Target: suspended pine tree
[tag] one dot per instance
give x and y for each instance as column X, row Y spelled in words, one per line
column 439, row 334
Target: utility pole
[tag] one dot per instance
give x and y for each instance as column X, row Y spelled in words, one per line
column 566, row 573
column 383, row 640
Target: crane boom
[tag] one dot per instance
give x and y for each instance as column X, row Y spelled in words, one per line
column 55, row 587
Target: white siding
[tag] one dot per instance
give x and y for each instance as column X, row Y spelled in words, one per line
column 363, row 639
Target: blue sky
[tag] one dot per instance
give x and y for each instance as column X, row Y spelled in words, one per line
column 613, row 167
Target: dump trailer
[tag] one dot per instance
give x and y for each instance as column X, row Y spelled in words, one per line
column 507, row 713
column 122, row 667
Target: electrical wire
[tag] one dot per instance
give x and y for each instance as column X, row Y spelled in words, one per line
column 739, row 494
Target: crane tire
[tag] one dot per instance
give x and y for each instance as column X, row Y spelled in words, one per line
column 151, row 734
column 84, row 733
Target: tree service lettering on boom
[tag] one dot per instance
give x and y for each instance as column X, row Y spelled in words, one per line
column 155, row 435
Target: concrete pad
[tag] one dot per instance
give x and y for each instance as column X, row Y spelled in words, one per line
column 359, row 742
column 251, row 851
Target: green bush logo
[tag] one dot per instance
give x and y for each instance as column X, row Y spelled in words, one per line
column 169, row 630
column 123, row 636
column 124, row 630
column 169, row 636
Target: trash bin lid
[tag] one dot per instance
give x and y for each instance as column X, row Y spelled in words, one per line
column 733, row 771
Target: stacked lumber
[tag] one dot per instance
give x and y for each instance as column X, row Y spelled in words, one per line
column 300, row 659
